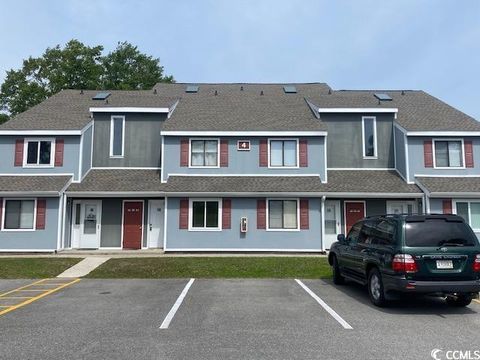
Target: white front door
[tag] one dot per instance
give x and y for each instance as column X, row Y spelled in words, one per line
column 401, row 207
column 332, row 222
column 87, row 217
column 156, row 210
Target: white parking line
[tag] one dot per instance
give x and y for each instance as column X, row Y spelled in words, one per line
column 175, row 306
column 325, row 306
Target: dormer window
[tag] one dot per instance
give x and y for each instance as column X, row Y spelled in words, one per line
column 283, row 153
column 369, row 136
column 204, row 152
column 39, row 152
column 448, row 154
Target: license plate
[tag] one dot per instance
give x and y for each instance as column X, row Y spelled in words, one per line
column 444, row 264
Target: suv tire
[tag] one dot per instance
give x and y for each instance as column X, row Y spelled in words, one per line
column 338, row 279
column 459, row 300
column 375, row 288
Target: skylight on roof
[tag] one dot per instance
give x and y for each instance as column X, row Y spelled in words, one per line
column 101, row 96
column 192, row 89
column 383, row 97
column 290, row 89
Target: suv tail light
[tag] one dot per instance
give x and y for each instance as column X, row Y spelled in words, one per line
column 405, row 263
column 476, row 263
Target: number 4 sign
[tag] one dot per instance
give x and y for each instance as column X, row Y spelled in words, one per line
column 243, row 145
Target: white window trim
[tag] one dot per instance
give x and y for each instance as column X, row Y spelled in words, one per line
column 297, row 166
column 123, row 137
column 190, row 214
column 454, row 210
column 52, row 153
column 375, row 153
column 246, row 141
column 268, row 214
column 4, row 214
column 190, row 153
column 448, row 167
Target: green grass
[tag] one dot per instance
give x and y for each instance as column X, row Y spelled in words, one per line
column 213, row 267
column 34, row 268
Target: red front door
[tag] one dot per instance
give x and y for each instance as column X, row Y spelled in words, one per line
column 354, row 211
column 132, row 224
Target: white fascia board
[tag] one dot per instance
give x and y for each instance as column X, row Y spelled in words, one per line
column 41, row 132
column 454, row 195
column 356, row 110
column 244, row 175
column 243, row 133
column 125, row 194
column 297, row 194
column 443, row 133
column 29, row 193
column 129, row 110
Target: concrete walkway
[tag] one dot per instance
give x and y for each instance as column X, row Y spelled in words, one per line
column 84, row 267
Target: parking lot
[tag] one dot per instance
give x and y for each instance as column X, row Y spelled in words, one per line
column 229, row 319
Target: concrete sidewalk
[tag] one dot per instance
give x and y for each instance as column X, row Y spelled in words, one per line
column 84, row 267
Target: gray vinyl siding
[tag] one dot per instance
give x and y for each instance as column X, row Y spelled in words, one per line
column 71, row 156
column 36, row 239
column 232, row 238
column 416, row 159
column 142, row 141
column 400, row 160
column 345, row 145
column 244, row 162
column 87, row 150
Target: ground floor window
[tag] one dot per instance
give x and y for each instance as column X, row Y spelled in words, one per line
column 470, row 211
column 283, row 214
column 205, row 214
column 19, row 214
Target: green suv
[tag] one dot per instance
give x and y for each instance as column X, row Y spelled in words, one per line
column 414, row 254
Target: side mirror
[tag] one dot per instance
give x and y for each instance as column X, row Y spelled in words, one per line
column 341, row 238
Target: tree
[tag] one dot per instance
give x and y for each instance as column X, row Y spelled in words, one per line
column 3, row 118
column 127, row 68
column 78, row 66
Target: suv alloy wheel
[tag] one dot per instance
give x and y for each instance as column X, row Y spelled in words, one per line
column 375, row 288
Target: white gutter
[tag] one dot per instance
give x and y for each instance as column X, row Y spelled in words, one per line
column 164, row 110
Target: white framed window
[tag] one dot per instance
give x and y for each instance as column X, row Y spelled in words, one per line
column 204, row 153
column 117, row 136
column 39, row 152
column 19, row 214
column 283, row 215
column 283, row 153
column 469, row 211
column 369, row 137
column 205, row 215
column 448, row 153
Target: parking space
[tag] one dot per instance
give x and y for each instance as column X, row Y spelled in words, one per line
column 267, row 319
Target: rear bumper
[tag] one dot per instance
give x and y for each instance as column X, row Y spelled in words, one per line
column 400, row 284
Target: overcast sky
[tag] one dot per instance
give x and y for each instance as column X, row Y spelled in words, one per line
column 406, row 44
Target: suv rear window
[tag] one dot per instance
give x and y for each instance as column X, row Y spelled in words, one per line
column 438, row 232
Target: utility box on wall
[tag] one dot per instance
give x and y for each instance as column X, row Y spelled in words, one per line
column 243, row 225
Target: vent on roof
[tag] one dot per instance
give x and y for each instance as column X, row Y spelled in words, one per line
column 192, row 89
column 290, row 89
column 383, row 97
column 101, row 96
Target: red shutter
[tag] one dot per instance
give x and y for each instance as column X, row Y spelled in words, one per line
column 226, row 213
column 59, row 145
column 304, row 215
column 184, row 152
column 1, row 210
column 41, row 209
column 261, row 214
column 224, row 153
column 468, row 153
column 447, row 206
column 428, row 153
column 183, row 214
column 263, row 153
column 303, row 153
column 19, row 152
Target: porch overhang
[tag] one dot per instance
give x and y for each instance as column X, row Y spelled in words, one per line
column 450, row 186
column 33, row 185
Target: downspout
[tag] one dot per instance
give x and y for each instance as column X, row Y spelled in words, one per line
column 427, row 204
column 322, row 221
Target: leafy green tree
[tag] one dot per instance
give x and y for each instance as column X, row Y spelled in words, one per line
column 78, row 66
column 3, row 118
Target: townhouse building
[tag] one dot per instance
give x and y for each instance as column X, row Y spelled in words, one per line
column 229, row 167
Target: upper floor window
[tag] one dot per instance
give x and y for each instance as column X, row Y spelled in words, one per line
column 283, row 153
column 19, row 215
column 369, row 137
column 448, row 153
column 204, row 153
column 117, row 136
column 205, row 214
column 39, row 152
column 283, row 214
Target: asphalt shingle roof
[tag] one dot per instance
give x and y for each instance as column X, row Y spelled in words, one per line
column 69, row 109
column 450, row 185
column 33, row 184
